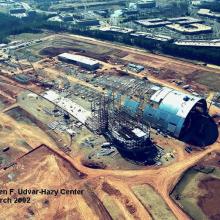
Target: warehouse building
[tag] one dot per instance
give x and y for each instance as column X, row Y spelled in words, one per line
column 82, row 61
column 146, row 4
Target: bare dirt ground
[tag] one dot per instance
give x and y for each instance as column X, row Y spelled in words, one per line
column 44, row 169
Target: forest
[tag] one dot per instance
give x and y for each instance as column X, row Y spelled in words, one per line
column 11, row 25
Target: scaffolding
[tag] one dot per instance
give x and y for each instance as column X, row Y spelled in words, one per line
column 100, row 114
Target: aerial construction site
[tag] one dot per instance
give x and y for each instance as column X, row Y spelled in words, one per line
column 86, row 120
column 99, row 129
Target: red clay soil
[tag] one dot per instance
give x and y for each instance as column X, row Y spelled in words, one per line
column 209, row 202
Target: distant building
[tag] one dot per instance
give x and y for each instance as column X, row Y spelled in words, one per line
column 17, row 11
column 89, row 22
column 104, row 12
column 208, row 13
column 159, row 22
column 55, row 19
column 68, row 105
column 155, row 37
column 185, row 20
column 199, row 43
column 85, row 62
column 66, row 17
column 116, row 29
column 152, row 23
column 191, row 28
column 130, row 12
column 146, row 4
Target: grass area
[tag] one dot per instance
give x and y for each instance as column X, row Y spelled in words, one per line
column 113, row 208
column 2, row 105
column 4, row 10
column 216, row 173
column 188, row 193
column 28, row 36
column 35, row 108
column 153, row 202
column 19, row 116
column 208, row 79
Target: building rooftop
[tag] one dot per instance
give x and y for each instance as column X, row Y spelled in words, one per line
column 157, row 22
column 117, row 29
column 191, row 28
column 185, row 20
column 69, row 106
column 79, row 58
column 152, row 36
column 208, row 13
column 199, row 43
column 153, row 22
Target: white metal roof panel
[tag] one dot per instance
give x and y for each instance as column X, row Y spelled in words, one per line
column 138, row 132
column 160, row 94
column 79, row 58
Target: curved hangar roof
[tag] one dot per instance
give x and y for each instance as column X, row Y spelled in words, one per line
column 168, row 109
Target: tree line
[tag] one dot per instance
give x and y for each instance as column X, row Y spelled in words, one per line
column 11, row 25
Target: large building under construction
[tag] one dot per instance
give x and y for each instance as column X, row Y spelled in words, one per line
column 180, row 115
column 130, row 136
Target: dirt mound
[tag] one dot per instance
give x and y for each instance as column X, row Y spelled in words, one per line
column 130, row 207
column 128, row 204
column 110, row 190
column 94, row 164
column 54, row 51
